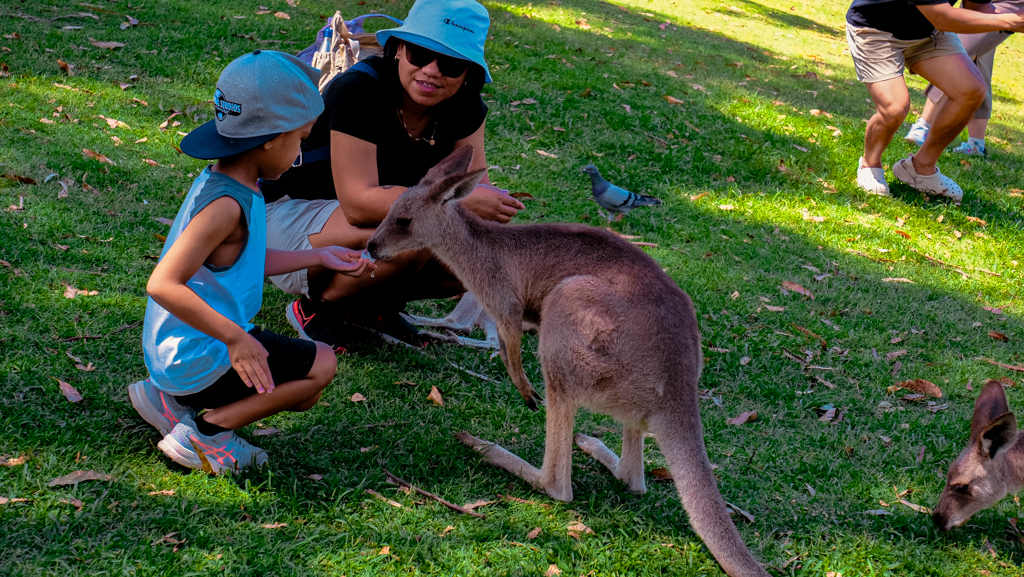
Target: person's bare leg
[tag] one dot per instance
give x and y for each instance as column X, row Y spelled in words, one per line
column 892, row 103
column 977, row 127
column 930, row 108
column 297, row 395
column 960, row 81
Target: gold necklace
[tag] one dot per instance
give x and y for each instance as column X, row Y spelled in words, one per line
column 430, row 141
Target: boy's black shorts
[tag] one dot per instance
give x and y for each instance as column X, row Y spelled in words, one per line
column 289, row 359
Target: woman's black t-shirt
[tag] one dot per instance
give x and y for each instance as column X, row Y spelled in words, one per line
column 359, row 105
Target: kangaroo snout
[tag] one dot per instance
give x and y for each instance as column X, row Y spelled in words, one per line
column 373, row 247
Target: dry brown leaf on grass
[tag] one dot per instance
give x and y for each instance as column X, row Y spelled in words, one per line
column 553, row 569
column 97, row 156
column 273, row 525
column 71, row 292
column 1006, row 381
column 903, row 234
column 774, row 309
column 78, row 477
column 546, row 154
column 282, row 15
column 577, row 529
column 742, row 418
column 69, row 69
column 662, row 473
column 915, row 506
column 110, row 45
column 476, row 504
column 672, row 99
column 792, row 286
column 151, row 162
column 357, row 398
column 435, row 395
column 895, row 354
column 69, row 392
column 383, row 498
column 899, row 279
column 534, row 533
column 163, row 493
column 17, row 178
column 163, row 220
column 114, row 123
column 733, row 509
column 5, row 500
column 13, row 461
column 922, row 386
column 73, row 502
column 997, row 336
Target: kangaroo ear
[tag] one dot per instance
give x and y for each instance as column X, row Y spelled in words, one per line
column 455, row 163
column 998, row 436
column 456, row 187
column 991, row 404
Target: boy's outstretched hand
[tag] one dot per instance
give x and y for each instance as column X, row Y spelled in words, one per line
column 249, row 359
column 345, row 261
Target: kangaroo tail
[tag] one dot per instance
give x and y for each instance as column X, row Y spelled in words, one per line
column 680, row 436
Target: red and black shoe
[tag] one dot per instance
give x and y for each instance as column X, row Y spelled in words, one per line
column 301, row 315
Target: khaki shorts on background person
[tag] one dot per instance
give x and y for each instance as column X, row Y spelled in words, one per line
column 880, row 56
column 290, row 222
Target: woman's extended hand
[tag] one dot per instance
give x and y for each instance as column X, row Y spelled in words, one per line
column 345, row 261
column 491, row 205
column 249, row 359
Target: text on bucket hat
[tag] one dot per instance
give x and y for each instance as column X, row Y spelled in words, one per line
column 455, row 28
column 259, row 95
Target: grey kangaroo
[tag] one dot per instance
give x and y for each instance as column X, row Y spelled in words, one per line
column 617, row 336
column 991, row 466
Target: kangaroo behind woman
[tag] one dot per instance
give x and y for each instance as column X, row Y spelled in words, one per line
column 617, row 336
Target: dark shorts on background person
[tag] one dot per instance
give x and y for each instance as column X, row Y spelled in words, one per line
column 289, row 359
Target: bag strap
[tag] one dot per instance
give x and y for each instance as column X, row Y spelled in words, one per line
column 324, row 152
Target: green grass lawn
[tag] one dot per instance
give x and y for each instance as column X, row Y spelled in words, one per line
column 756, row 170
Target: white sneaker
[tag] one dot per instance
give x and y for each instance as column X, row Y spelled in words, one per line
column 917, row 134
column 937, row 183
column 871, row 179
column 970, row 149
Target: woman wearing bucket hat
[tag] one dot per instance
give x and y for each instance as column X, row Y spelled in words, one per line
column 387, row 120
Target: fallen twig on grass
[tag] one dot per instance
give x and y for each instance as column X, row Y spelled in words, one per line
column 998, row 364
column 95, row 337
column 448, row 504
column 477, row 375
column 385, row 499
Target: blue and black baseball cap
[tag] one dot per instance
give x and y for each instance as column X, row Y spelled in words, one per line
column 259, row 96
column 455, row 28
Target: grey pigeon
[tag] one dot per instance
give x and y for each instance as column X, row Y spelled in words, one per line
column 612, row 198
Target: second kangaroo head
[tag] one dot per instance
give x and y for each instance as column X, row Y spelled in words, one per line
column 415, row 220
column 989, row 468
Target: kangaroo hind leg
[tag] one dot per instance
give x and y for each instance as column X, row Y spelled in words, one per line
column 630, row 468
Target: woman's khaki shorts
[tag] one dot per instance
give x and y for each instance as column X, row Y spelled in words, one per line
column 290, row 222
column 879, row 55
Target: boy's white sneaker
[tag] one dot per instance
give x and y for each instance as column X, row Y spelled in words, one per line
column 871, row 179
column 226, row 451
column 917, row 134
column 970, row 149
column 937, row 183
column 157, row 407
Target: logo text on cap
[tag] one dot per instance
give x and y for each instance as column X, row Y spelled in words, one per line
column 451, row 22
column 224, row 107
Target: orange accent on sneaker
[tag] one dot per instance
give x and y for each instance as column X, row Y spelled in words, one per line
column 168, row 413
column 218, row 453
column 300, row 315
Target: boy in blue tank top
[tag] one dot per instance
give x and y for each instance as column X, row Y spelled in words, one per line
column 200, row 345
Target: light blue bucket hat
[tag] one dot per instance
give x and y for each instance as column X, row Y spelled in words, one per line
column 454, row 28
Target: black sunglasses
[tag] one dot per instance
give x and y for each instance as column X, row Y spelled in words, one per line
column 448, row 66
